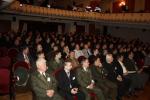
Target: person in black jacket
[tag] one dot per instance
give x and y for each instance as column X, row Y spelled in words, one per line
column 123, row 72
column 68, row 84
column 137, row 75
column 114, row 76
column 99, row 75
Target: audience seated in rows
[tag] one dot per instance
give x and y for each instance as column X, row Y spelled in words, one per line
column 120, row 63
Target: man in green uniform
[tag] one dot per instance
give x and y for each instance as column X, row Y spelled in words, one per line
column 84, row 77
column 44, row 85
column 99, row 75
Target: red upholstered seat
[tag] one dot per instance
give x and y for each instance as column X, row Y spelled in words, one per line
column 4, row 81
column 5, row 62
column 20, row 64
column 3, row 51
column 55, row 73
column 140, row 63
column 75, row 97
column 21, row 73
column 12, row 53
column 93, row 96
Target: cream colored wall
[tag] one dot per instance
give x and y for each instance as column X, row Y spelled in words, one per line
column 64, row 3
column 84, row 2
column 106, row 5
column 139, row 5
column 130, row 33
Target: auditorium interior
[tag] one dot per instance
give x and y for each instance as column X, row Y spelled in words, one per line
column 116, row 32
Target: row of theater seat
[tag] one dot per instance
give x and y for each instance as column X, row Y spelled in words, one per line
column 7, row 72
column 6, row 77
column 126, row 17
column 9, row 79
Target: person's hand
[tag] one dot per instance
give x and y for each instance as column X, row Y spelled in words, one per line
column 27, row 61
column 50, row 93
column 145, row 66
column 125, row 74
column 74, row 90
column 91, row 86
column 119, row 78
column 100, row 65
column 140, row 71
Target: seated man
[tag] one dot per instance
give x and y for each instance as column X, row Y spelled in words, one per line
column 99, row 75
column 43, row 84
column 114, row 76
column 68, row 84
column 138, row 77
column 84, row 77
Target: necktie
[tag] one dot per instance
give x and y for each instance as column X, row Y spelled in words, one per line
column 26, row 58
column 88, row 52
column 68, row 74
column 44, row 76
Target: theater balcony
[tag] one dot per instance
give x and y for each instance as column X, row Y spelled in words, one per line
column 29, row 10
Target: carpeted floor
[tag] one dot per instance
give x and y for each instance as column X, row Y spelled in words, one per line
column 142, row 95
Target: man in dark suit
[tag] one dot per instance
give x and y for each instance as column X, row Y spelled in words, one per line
column 138, row 76
column 43, row 84
column 122, row 71
column 68, row 84
column 114, row 76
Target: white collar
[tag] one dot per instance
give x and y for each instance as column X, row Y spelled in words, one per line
column 42, row 73
column 67, row 71
column 85, row 69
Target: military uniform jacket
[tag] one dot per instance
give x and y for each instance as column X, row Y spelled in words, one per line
column 84, row 78
column 53, row 65
column 41, row 83
column 98, row 73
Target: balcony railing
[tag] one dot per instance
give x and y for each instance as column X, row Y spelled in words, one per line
column 91, row 16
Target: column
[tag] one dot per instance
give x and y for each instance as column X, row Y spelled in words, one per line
column 59, row 30
column 15, row 24
column 139, row 5
column 70, row 27
column 86, row 28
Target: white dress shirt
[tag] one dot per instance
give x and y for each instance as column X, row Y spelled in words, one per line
column 123, row 67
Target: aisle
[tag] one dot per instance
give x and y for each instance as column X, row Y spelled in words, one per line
column 143, row 95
